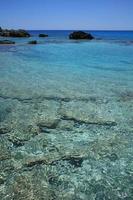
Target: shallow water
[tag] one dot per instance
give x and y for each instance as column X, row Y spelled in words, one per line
column 66, row 118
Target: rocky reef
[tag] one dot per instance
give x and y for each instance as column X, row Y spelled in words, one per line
column 43, row 35
column 6, row 42
column 13, row 33
column 79, row 35
column 63, row 148
column 32, row 42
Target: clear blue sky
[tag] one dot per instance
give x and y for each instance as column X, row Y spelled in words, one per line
column 67, row 14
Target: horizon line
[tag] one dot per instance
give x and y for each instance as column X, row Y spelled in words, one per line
column 80, row 29
column 76, row 29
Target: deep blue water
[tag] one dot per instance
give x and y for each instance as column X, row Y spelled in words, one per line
column 57, row 36
column 108, row 35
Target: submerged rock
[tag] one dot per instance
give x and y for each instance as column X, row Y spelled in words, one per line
column 76, row 161
column 50, row 124
column 6, row 42
column 5, row 152
column 2, row 180
column 78, row 35
column 29, row 185
column 43, row 35
column 4, row 130
column 32, row 42
column 113, row 157
column 126, row 96
column 13, row 33
column 87, row 113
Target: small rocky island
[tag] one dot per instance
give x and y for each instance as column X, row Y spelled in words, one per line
column 80, row 35
column 13, row 33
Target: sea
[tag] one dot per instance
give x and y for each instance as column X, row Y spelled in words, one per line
column 66, row 117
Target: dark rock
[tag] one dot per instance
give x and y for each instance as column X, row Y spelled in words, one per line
column 113, row 157
column 13, row 33
column 2, row 180
column 6, row 42
column 52, row 180
column 18, row 143
column 43, row 35
column 32, row 163
column 0, row 29
column 76, row 161
column 32, row 42
column 79, row 35
column 4, row 130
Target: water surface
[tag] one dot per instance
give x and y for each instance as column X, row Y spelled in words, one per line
column 66, row 117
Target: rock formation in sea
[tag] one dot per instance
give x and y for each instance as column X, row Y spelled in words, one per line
column 43, row 35
column 78, row 35
column 13, row 33
column 6, row 42
column 32, row 42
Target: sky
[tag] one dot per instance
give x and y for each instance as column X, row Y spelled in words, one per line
column 67, row 14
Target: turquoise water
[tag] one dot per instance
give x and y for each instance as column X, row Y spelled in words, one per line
column 66, row 117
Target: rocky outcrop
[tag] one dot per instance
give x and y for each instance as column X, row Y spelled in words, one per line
column 6, row 42
column 32, row 42
column 79, row 35
column 13, row 33
column 43, row 35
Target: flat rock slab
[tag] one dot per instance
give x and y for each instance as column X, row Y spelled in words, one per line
column 26, row 120
column 88, row 113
